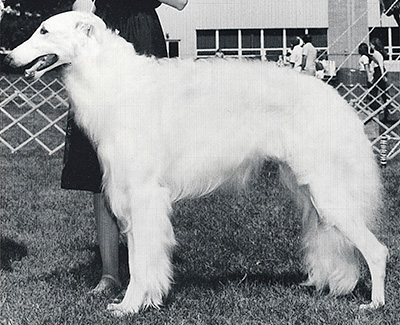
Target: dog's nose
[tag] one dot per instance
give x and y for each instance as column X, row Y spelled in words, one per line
column 9, row 61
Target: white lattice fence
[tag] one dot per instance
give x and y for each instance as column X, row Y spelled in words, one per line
column 376, row 128
column 36, row 112
column 32, row 112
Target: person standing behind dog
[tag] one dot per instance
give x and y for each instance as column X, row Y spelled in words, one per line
column 309, row 56
column 297, row 54
column 379, row 79
column 365, row 64
column 138, row 23
column 365, row 61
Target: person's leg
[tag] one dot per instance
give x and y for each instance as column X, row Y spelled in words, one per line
column 108, row 238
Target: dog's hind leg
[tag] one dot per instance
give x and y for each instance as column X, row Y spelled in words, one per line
column 150, row 241
column 338, row 205
column 345, row 208
column 329, row 257
column 375, row 255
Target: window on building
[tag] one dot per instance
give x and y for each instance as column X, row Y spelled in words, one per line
column 292, row 33
column 395, row 43
column 256, row 54
column 396, row 36
column 381, row 33
column 228, row 39
column 173, row 49
column 206, row 42
column 273, row 55
column 319, row 36
column 252, row 45
column 396, row 53
column 273, row 44
column 206, row 39
column 390, row 38
column 273, row 38
column 251, row 38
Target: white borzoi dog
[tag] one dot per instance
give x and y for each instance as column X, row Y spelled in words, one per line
column 172, row 129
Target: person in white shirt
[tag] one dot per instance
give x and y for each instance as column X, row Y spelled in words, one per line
column 365, row 61
column 379, row 80
column 309, row 56
column 296, row 56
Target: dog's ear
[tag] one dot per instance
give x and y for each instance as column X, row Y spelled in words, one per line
column 86, row 28
column 84, row 6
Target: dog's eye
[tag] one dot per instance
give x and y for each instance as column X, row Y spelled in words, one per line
column 43, row 31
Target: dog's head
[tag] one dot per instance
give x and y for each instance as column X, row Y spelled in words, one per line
column 57, row 41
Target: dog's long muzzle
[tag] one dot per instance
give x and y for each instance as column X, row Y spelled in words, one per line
column 36, row 65
column 41, row 63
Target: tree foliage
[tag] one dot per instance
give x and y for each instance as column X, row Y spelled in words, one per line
column 26, row 15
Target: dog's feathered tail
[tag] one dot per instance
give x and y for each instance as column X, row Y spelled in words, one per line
column 330, row 259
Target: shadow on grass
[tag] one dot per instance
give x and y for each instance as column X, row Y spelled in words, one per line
column 11, row 251
column 86, row 272
column 286, row 279
column 90, row 273
column 362, row 290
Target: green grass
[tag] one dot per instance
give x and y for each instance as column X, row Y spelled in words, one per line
column 237, row 259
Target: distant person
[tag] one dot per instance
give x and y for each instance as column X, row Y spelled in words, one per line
column 365, row 65
column 309, row 56
column 297, row 54
column 219, row 54
column 280, row 63
column 379, row 80
column 365, row 62
column 286, row 57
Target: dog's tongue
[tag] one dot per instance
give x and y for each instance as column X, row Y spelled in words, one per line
column 40, row 64
column 30, row 73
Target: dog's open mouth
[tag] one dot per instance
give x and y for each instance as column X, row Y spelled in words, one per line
column 40, row 63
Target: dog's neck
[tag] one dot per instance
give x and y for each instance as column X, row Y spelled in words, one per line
column 102, row 52
column 98, row 70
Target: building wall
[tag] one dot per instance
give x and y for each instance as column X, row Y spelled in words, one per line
column 237, row 14
column 251, row 14
column 348, row 27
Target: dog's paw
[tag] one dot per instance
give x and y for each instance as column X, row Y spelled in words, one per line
column 372, row 305
column 121, row 309
column 307, row 283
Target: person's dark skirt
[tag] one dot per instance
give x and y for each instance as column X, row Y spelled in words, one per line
column 138, row 23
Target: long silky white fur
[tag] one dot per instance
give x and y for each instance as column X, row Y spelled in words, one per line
column 197, row 123
column 172, row 129
column 330, row 259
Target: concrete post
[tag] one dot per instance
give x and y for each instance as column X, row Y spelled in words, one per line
column 341, row 15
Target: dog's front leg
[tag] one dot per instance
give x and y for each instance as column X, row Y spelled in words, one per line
column 150, row 242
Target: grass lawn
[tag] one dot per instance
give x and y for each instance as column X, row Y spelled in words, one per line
column 237, row 259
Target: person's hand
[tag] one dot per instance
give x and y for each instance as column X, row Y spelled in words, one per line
column 177, row 4
column 84, row 5
column 370, row 77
